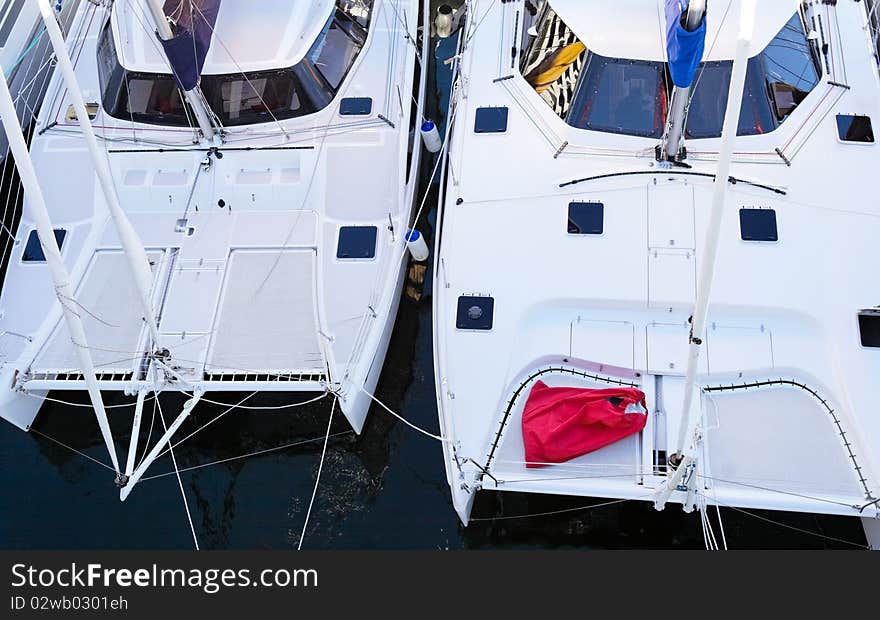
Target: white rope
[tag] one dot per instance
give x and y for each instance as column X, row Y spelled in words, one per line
column 404, row 420
column 272, row 408
column 318, row 477
column 721, row 527
column 179, row 481
column 201, row 428
column 238, row 405
column 82, row 405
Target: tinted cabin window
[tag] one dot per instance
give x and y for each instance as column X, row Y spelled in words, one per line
column 630, row 97
column 337, row 48
column 259, row 97
column 709, row 102
column 243, row 99
column 620, row 96
column 777, row 81
column 789, row 68
column 152, row 99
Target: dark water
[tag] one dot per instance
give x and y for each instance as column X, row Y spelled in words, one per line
column 383, row 490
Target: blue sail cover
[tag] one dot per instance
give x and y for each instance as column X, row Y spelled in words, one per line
column 684, row 49
column 194, row 22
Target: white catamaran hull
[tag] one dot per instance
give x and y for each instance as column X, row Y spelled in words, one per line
column 277, row 250
column 526, row 292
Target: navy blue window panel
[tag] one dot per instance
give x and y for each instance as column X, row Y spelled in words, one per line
column 490, row 120
column 33, row 251
column 357, row 242
column 586, row 218
column 869, row 328
column 356, row 106
column 475, row 313
column 758, row 225
column 856, row 128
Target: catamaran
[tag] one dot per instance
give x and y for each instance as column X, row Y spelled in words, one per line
column 217, row 199
column 653, row 267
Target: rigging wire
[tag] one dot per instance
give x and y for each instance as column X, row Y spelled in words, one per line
column 179, row 481
column 72, row 449
column 237, row 66
column 248, row 455
column 150, row 433
column 81, row 405
column 550, row 513
column 318, row 476
column 34, row 42
column 238, row 405
column 794, row 528
column 267, row 408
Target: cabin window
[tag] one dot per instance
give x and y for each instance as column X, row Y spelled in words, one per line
column 620, row 96
column 586, row 218
column 777, row 81
column 869, row 328
column 630, row 97
column 33, row 250
column 258, row 97
column 336, row 49
column 242, row 99
column 758, row 225
column 855, row 128
column 357, row 242
column 475, row 313
column 151, row 99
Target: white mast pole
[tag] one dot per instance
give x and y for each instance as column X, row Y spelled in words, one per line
column 194, row 96
column 136, row 475
column 36, row 205
column 722, row 181
column 681, row 96
column 134, row 249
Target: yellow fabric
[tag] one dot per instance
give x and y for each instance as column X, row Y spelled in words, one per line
column 553, row 67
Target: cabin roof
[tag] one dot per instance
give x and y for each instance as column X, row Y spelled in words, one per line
column 637, row 28
column 276, row 36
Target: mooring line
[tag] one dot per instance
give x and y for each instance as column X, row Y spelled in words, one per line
column 179, row 481
column 318, row 477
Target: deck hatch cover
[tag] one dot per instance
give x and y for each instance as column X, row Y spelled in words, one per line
column 490, row 120
column 357, row 242
column 869, row 328
column 33, row 251
column 356, row 106
column 855, row 128
column 586, row 218
column 758, row 225
column 475, row 313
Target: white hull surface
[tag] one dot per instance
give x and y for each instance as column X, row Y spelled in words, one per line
column 786, row 389
column 252, row 288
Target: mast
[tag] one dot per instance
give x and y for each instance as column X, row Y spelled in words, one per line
column 678, row 104
column 713, row 233
column 134, row 249
column 193, row 96
column 36, row 205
